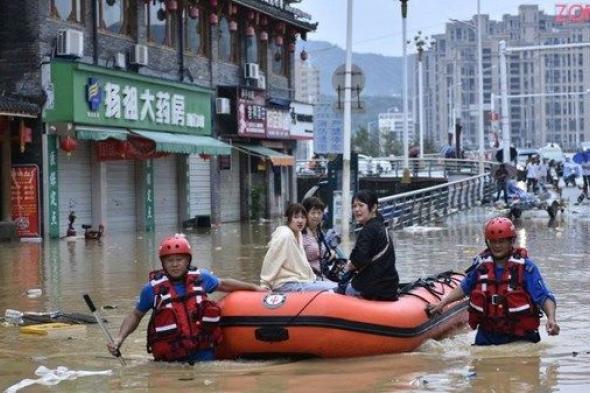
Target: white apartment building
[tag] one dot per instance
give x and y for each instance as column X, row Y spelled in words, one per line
column 451, row 90
column 392, row 124
column 307, row 90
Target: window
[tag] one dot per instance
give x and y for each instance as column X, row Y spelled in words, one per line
column 252, row 55
column 196, row 34
column 115, row 16
column 161, row 26
column 224, row 41
column 67, row 10
column 278, row 58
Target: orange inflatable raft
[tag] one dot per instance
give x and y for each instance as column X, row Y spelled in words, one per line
column 329, row 325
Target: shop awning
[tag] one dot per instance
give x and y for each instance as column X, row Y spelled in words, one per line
column 17, row 108
column 185, row 143
column 100, row 133
column 277, row 158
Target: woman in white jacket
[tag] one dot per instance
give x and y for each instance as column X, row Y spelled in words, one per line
column 285, row 267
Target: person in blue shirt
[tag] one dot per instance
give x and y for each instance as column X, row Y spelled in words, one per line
column 184, row 325
column 506, row 291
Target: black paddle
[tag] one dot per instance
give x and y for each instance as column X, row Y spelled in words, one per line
column 106, row 333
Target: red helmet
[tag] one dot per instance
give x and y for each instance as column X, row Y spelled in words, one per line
column 176, row 244
column 499, row 228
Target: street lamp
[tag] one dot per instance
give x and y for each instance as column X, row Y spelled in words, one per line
column 480, row 122
column 406, row 174
column 421, row 43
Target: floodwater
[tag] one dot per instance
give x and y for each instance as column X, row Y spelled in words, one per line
column 113, row 270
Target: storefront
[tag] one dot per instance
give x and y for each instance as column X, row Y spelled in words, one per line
column 125, row 151
column 19, row 172
column 260, row 132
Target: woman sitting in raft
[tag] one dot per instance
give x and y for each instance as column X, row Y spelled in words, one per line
column 285, row 267
column 372, row 260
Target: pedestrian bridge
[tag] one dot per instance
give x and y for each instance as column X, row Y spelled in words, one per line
column 469, row 183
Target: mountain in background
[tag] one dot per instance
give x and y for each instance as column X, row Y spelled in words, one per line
column 383, row 74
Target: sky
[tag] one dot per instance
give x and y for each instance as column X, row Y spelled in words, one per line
column 377, row 26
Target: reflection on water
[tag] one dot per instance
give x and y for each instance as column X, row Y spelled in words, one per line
column 114, row 269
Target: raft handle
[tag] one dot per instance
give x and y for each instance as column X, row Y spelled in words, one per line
column 271, row 334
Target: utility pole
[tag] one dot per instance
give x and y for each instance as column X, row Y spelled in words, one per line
column 346, row 200
column 406, row 145
column 480, row 90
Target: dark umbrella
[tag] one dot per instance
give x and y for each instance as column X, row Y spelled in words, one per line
column 581, row 157
column 448, row 151
column 510, row 169
column 500, row 154
column 414, row 152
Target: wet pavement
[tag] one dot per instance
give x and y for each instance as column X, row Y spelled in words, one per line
column 114, row 269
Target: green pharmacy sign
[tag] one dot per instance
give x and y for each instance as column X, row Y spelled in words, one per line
column 92, row 95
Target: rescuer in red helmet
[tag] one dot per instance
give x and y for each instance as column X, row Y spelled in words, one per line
column 184, row 325
column 506, row 291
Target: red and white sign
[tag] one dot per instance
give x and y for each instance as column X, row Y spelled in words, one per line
column 572, row 13
column 251, row 113
column 24, row 196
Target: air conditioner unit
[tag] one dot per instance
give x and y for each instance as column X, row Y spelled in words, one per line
column 222, row 106
column 120, row 61
column 70, row 42
column 251, row 71
column 261, row 82
column 139, row 55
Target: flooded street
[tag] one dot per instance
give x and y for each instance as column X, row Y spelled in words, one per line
column 112, row 272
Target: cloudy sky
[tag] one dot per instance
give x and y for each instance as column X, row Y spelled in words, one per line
column 377, row 23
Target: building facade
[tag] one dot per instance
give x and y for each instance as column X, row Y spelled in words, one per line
column 133, row 132
column 559, row 111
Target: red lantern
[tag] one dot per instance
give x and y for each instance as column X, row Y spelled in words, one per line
column 233, row 26
column 193, row 12
column 171, row 5
column 281, row 27
column 68, row 144
column 279, row 40
column 263, row 36
column 234, row 10
column 205, row 157
column 213, row 3
column 291, row 47
column 263, row 20
column 251, row 15
column 250, row 31
column 213, row 19
column 303, row 55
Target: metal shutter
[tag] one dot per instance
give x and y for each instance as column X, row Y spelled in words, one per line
column 230, row 190
column 166, row 192
column 75, row 187
column 200, row 186
column 121, row 214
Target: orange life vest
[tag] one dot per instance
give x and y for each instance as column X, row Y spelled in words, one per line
column 501, row 304
column 181, row 325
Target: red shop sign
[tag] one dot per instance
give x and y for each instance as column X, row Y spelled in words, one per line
column 24, row 196
column 131, row 149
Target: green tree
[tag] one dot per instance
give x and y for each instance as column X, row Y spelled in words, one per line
column 361, row 143
column 392, row 145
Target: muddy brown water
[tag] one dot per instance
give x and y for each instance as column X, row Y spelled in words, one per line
column 113, row 271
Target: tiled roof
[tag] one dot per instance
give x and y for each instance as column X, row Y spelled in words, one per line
column 15, row 107
column 278, row 13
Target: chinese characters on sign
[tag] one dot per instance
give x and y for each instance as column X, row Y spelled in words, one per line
column 24, row 194
column 251, row 113
column 327, row 135
column 52, row 189
column 278, row 123
column 158, row 107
